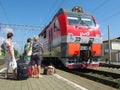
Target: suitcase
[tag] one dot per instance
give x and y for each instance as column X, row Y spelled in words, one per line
column 22, row 71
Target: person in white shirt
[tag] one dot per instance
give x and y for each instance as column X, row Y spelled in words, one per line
column 9, row 55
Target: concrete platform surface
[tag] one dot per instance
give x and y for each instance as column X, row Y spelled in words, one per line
column 60, row 81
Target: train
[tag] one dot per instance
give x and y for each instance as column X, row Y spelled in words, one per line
column 74, row 37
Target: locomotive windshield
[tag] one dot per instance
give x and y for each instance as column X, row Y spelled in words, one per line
column 80, row 20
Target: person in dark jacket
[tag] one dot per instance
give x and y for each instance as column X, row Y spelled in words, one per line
column 37, row 50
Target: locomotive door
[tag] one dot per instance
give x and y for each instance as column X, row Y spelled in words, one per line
column 50, row 40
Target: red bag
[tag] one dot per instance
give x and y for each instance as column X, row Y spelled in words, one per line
column 30, row 71
column 35, row 72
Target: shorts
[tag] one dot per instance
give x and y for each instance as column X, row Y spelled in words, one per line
column 36, row 59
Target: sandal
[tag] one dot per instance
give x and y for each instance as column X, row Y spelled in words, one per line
column 33, row 76
column 39, row 76
column 14, row 77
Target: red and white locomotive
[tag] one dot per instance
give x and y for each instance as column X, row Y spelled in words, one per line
column 74, row 37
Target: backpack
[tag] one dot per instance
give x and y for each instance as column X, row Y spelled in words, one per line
column 2, row 46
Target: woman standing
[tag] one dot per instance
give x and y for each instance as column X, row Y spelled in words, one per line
column 37, row 50
column 28, row 50
column 9, row 55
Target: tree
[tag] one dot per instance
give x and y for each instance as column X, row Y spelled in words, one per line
column 16, row 53
column 2, row 52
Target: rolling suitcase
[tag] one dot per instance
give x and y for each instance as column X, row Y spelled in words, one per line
column 22, row 71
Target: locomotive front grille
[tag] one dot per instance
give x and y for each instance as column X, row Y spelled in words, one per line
column 85, row 47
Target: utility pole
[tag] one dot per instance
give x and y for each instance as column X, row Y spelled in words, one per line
column 109, row 44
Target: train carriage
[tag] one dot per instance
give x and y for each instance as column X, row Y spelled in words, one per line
column 74, row 37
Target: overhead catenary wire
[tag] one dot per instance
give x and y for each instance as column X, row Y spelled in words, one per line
column 100, row 5
column 53, row 11
column 20, row 26
column 51, row 8
column 111, row 16
column 108, row 16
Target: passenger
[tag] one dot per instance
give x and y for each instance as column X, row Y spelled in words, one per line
column 9, row 55
column 28, row 50
column 37, row 50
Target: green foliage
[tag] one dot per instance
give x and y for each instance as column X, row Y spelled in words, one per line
column 55, row 52
column 2, row 52
column 47, row 54
column 15, row 52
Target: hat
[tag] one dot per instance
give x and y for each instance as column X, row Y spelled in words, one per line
column 36, row 38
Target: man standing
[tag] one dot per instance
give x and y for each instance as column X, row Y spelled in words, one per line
column 9, row 55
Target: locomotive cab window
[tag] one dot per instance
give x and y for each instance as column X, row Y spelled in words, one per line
column 44, row 34
column 73, row 20
column 56, row 25
column 80, row 20
column 87, row 21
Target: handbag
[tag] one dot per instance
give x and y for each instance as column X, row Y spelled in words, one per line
column 13, row 64
column 29, row 52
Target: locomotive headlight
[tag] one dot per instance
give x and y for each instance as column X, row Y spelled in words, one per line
column 97, row 36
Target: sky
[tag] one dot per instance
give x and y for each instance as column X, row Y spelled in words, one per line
column 40, row 13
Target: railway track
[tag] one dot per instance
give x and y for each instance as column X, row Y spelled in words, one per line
column 110, row 79
column 2, row 61
column 105, row 77
column 109, row 65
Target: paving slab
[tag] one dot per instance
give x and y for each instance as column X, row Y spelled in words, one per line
column 46, row 82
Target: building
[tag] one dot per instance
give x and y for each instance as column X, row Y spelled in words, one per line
column 114, row 47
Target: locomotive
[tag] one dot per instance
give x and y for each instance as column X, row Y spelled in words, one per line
column 74, row 37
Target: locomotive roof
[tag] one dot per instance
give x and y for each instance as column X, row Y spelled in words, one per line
column 63, row 10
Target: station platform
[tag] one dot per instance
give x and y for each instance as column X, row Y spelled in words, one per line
column 60, row 81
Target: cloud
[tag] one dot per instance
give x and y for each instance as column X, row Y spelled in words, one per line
column 8, row 29
column 1, row 40
column 17, row 47
column 5, row 30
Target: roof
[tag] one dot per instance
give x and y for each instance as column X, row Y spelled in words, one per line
column 113, row 39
